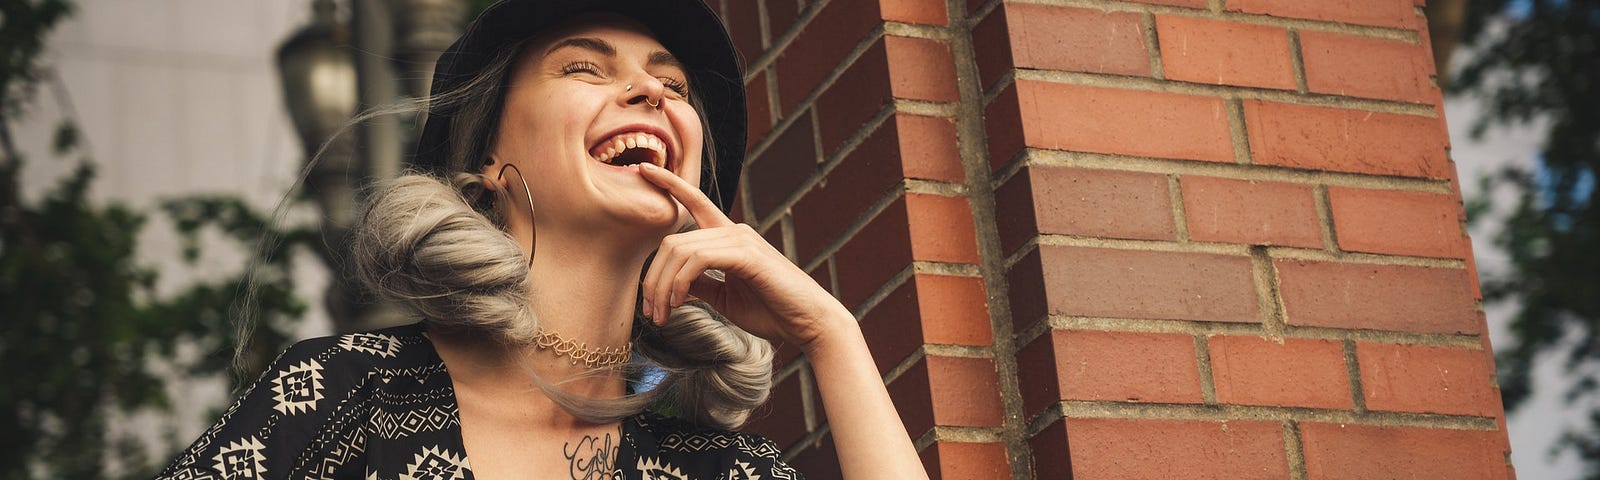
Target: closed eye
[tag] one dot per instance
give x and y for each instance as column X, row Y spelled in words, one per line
column 676, row 86
column 581, row 67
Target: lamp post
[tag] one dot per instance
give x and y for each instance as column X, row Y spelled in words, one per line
column 319, row 89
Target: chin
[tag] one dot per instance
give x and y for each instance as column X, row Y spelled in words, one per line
column 661, row 215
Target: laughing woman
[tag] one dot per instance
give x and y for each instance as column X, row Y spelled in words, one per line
column 563, row 155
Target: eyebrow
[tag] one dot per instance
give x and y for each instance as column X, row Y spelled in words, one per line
column 656, row 58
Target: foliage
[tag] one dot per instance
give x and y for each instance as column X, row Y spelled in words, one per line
column 1543, row 66
column 82, row 326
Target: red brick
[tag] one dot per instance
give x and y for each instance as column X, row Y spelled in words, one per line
column 1319, row 138
column 1424, row 379
column 1377, row 297
column 937, row 309
column 779, row 171
column 1293, row 373
column 894, row 328
column 877, row 253
column 965, row 391
column 824, row 42
column 1398, row 222
column 1099, row 282
column 926, row 12
column 1002, row 124
column 1107, row 366
column 942, row 229
column 910, row 394
column 783, row 418
column 760, row 107
column 921, row 69
column 894, row 67
column 863, row 177
column 929, row 148
column 1014, row 211
column 949, row 459
column 860, row 93
column 1250, row 212
column 1224, row 53
column 1031, row 36
column 955, row 310
column 1383, row 13
column 948, row 391
column 1102, row 203
column 1343, row 451
column 1175, row 3
column 744, row 27
column 1127, row 122
column 774, row 236
column 1025, row 283
column 1354, row 66
column 781, row 15
column 1104, row 448
column 1051, row 456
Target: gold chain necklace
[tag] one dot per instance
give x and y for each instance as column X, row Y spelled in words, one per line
column 579, row 351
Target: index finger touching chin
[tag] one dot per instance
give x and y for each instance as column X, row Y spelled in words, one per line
column 705, row 213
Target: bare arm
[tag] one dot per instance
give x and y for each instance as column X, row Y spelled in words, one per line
column 867, row 432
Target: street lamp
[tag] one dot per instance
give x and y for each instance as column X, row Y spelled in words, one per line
column 319, row 89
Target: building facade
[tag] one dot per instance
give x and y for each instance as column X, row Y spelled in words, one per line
column 1127, row 239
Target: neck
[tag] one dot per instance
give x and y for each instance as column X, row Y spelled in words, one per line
column 581, row 287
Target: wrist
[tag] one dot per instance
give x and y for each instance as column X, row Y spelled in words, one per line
column 836, row 329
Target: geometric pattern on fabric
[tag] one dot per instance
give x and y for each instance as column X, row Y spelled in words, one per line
column 381, row 406
column 381, row 345
column 299, row 388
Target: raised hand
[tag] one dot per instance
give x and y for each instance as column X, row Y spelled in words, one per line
column 761, row 290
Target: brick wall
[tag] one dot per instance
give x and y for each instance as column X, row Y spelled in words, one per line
column 1127, row 239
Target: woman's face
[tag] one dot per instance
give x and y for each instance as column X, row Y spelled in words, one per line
column 580, row 110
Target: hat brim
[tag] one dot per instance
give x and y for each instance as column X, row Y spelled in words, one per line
column 687, row 28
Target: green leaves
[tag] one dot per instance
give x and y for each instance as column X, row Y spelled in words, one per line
column 1534, row 60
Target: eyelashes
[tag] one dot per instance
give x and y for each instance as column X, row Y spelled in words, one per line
column 677, row 86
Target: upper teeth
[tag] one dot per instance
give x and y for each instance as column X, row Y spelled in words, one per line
column 609, row 150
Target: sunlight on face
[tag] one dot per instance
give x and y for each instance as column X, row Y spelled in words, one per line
column 585, row 102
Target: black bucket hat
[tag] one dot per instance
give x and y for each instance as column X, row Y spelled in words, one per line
column 688, row 28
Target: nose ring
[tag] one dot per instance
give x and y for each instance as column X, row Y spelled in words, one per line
column 656, row 105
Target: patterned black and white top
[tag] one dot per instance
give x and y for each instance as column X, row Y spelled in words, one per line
column 380, row 405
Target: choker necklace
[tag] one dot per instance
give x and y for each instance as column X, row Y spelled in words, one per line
column 579, row 351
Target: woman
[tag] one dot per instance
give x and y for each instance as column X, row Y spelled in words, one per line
column 530, row 286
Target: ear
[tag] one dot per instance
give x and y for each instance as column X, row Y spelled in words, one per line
column 491, row 174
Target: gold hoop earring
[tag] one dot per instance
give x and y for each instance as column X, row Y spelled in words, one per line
column 529, row 193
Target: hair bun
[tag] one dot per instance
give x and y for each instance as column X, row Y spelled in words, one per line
column 421, row 244
column 717, row 372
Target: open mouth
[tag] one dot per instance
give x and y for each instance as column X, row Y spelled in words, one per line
column 632, row 148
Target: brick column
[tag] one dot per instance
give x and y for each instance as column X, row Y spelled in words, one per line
column 1127, row 239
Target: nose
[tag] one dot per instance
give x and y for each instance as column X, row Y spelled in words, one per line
column 644, row 90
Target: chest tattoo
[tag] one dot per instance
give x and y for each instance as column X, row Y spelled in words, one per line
column 591, row 458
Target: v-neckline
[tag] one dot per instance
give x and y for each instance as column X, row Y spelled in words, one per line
column 626, row 427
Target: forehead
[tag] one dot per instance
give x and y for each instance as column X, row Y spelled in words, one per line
column 625, row 34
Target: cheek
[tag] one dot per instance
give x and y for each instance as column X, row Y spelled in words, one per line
column 540, row 121
column 687, row 123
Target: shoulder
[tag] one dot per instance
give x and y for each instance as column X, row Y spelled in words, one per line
column 359, row 354
column 671, row 443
